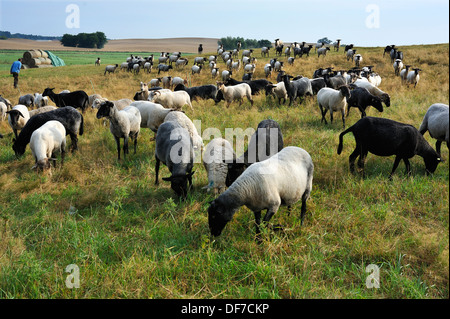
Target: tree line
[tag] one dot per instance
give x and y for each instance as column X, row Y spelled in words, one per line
column 230, row 43
column 84, row 40
column 7, row 35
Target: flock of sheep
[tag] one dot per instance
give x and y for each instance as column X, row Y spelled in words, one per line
column 268, row 174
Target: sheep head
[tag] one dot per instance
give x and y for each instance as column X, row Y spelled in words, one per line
column 179, row 183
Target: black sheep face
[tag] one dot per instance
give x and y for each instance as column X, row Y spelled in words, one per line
column 48, row 92
column 234, row 171
column 217, row 218
column 18, row 149
column 431, row 163
column 105, row 109
column 179, row 184
column 376, row 103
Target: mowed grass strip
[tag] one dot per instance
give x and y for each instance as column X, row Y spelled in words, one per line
column 131, row 239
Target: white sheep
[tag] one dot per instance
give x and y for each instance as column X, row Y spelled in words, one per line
column 177, row 80
column 152, row 114
column 374, row 78
column 18, row 117
column 280, row 91
column 43, row 109
column 3, row 110
column 45, row 142
column 322, row 51
column 358, row 59
column 195, row 69
column 250, row 68
column 110, row 68
column 334, row 101
column 398, row 65
column 92, row 98
column 436, row 122
column 268, row 70
column 39, row 100
column 172, row 100
column 413, row 76
column 350, row 53
column 282, row 179
column 148, row 67
column 217, row 154
column 166, row 82
column 226, row 75
column 155, row 82
column 186, row 122
column 124, row 124
column 214, row 73
column 404, row 73
column 235, row 92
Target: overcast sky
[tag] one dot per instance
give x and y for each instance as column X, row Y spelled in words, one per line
column 363, row 22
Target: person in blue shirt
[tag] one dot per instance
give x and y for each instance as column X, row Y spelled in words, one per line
column 15, row 69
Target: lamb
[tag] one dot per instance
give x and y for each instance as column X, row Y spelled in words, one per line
column 306, row 50
column 322, row 51
column 385, row 98
column 297, row 88
column 265, row 51
column 413, row 77
column 123, row 124
column 350, row 54
column 337, row 45
column 374, row 78
column 398, row 65
column 404, row 73
column 45, row 142
column 250, row 68
column 148, row 67
column 385, row 137
column 174, row 57
column 334, row 101
column 27, row 100
column 172, row 136
column 278, row 90
column 361, row 98
column 18, row 117
column 97, row 62
column 280, row 180
column 217, row 153
column 185, row 122
column 155, row 82
column 172, row 100
column 226, row 75
column 235, row 92
column 76, row 99
column 291, row 60
column 267, row 70
column 111, row 68
column 214, row 73
column 247, row 53
column 435, row 122
column 181, row 63
column 196, row 69
column 204, row 92
column 358, row 59
column 68, row 116
column 124, row 66
column 152, row 114
column 278, row 65
column 264, row 143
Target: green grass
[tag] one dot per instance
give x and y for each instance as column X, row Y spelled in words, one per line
column 132, row 239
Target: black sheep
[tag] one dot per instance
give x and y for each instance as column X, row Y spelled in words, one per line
column 203, row 92
column 260, row 148
column 255, row 85
column 68, row 116
column 361, row 98
column 384, row 137
column 76, row 99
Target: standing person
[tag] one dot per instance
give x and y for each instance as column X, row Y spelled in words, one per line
column 15, row 69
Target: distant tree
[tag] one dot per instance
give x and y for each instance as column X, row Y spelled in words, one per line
column 101, row 40
column 85, row 40
column 324, row 40
column 230, row 43
column 69, row 40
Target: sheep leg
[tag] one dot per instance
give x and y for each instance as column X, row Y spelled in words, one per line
column 438, row 147
column 125, row 146
column 331, row 116
column 352, row 158
column 118, row 147
column 343, row 117
column 74, row 139
column 257, row 224
column 396, row 162
column 156, row 170
column 408, row 166
column 362, row 159
column 135, row 143
column 303, row 209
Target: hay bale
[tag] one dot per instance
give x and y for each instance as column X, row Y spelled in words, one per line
column 34, row 62
column 31, row 54
column 43, row 53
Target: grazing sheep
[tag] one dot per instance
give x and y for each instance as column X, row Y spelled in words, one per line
column 374, row 78
column 247, row 53
column 322, row 51
column 45, row 142
column 124, row 124
column 111, row 68
column 247, row 76
column 148, row 67
column 335, row 82
column 388, row 49
column 181, row 63
column 164, row 68
column 385, row 137
column 196, row 69
column 361, row 98
column 413, row 77
column 172, row 100
column 334, row 101
column 277, row 90
column 18, row 117
column 174, row 149
column 215, row 157
column 297, row 88
column 67, row 116
column 398, row 65
column 152, row 114
column 226, row 75
column 177, row 80
column 435, row 122
column 203, row 92
column 291, row 60
column 267, row 70
column 184, row 121
column 166, row 82
column 264, row 143
column 317, row 84
column 155, row 82
column 280, row 180
column 124, row 66
column 235, row 92
column 278, row 65
column 214, row 73
column 27, row 100
column 255, row 85
column 374, row 90
column 76, row 99
column 404, row 73
column 250, row 68
column 350, row 54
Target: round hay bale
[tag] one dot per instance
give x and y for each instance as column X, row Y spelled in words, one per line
column 34, row 62
column 43, row 53
column 31, row 54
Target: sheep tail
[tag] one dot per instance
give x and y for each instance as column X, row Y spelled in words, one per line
column 341, row 139
column 81, row 126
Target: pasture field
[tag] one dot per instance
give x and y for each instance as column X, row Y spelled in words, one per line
column 131, row 239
